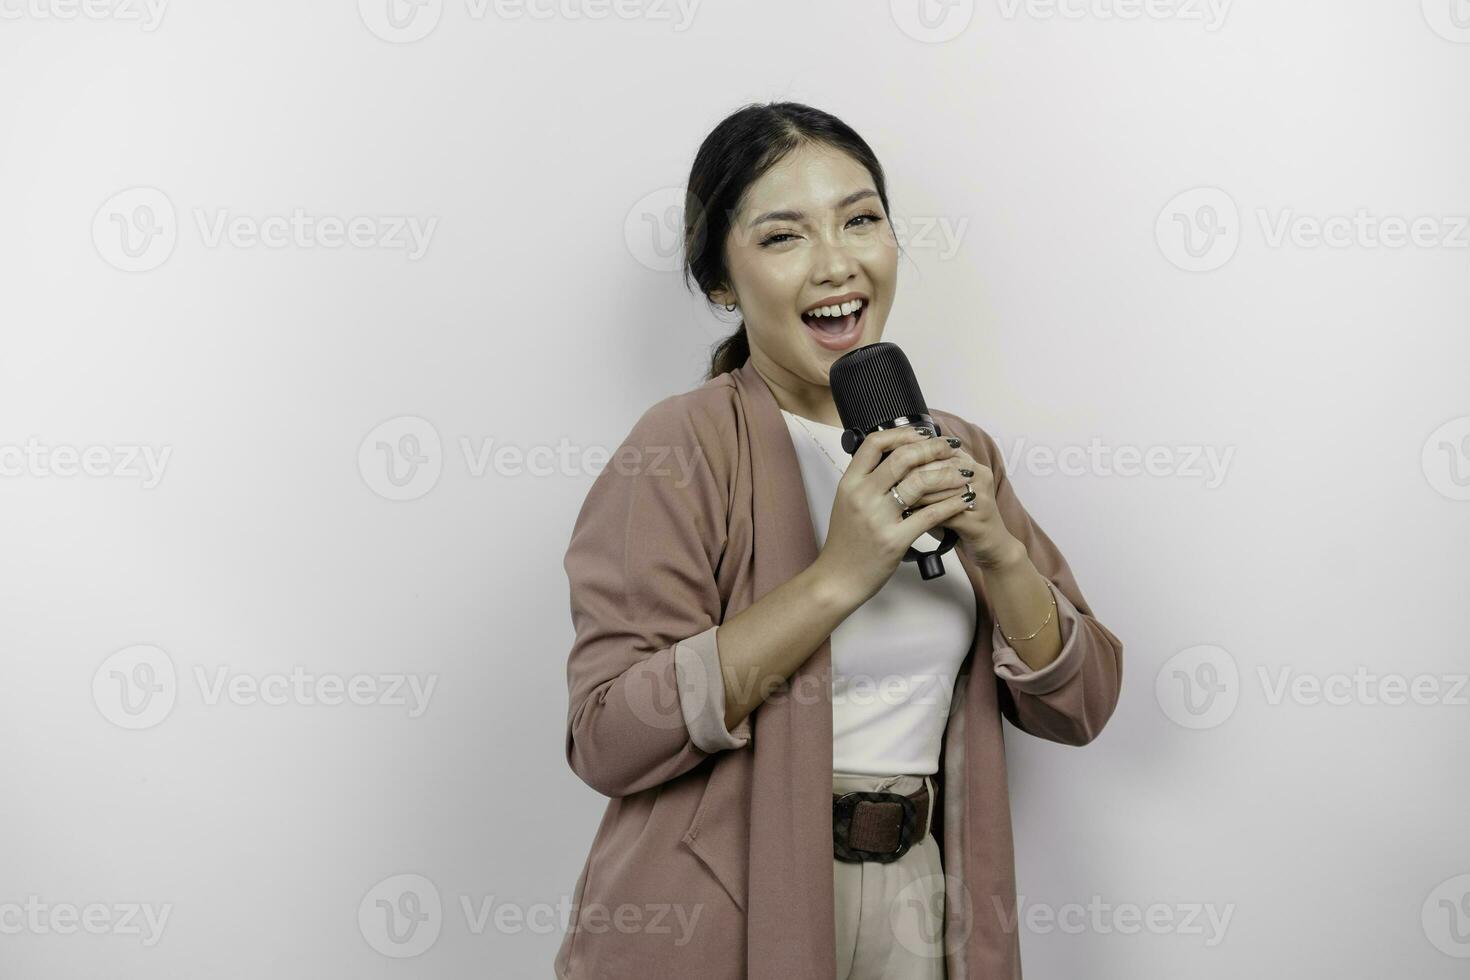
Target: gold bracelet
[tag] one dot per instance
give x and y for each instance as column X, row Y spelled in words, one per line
column 1030, row 636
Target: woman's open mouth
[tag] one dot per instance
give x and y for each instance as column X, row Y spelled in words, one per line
column 834, row 329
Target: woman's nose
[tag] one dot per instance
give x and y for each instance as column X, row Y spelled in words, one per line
column 833, row 262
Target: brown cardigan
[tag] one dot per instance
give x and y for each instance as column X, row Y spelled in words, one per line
column 717, row 845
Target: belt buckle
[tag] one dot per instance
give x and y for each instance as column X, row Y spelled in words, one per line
column 843, row 809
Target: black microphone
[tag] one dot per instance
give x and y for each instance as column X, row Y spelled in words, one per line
column 874, row 388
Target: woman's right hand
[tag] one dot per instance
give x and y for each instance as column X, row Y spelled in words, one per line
column 867, row 537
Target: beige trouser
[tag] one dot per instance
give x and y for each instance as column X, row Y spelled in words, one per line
column 890, row 917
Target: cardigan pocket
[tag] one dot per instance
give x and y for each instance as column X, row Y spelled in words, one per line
column 719, row 836
column 713, row 865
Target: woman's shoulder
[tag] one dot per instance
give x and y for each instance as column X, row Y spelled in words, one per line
column 704, row 415
column 689, row 434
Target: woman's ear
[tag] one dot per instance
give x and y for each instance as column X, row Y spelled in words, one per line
column 722, row 296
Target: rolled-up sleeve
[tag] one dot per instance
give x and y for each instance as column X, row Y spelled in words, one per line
column 1014, row 671
column 645, row 692
column 702, row 694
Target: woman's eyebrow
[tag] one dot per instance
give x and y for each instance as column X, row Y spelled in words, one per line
column 798, row 215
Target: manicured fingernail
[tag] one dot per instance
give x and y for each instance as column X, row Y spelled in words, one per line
column 970, row 495
column 967, row 472
column 921, row 430
column 952, row 441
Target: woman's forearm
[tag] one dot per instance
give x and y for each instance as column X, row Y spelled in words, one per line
column 766, row 642
column 1021, row 601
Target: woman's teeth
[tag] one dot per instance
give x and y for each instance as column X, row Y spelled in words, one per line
column 837, row 328
column 842, row 309
column 834, row 319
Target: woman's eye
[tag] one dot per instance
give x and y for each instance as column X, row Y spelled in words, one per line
column 782, row 235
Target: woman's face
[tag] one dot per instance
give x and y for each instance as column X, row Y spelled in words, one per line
column 810, row 233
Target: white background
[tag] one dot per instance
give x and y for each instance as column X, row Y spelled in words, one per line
column 539, row 151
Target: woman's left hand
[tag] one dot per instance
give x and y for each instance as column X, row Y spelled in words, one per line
column 983, row 533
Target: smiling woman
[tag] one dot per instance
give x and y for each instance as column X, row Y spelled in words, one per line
column 733, row 626
column 787, row 221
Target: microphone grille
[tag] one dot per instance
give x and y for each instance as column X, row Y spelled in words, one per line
column 873, row 385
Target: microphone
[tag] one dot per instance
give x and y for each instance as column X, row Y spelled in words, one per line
column 874, row 388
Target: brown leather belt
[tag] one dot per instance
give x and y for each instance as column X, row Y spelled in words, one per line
column 878, row 826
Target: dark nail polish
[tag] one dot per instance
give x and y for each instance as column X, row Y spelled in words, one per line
column 952, row 441
column 967, row 473
column 969, row 495
column 923, row 431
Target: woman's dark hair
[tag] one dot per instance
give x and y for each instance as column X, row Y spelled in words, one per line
column 733, row 156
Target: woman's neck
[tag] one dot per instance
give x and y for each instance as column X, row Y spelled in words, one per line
column 797, row 396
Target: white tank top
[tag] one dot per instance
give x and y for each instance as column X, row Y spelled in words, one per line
column 894, row 660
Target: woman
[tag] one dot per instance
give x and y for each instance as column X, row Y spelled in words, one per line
column 750, row 650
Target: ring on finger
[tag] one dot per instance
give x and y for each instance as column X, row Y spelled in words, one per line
column 902, row 504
